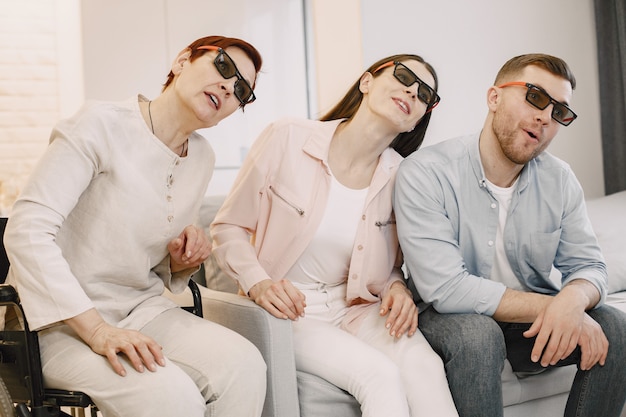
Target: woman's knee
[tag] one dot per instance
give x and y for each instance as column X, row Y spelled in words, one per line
column 242, row 356
column 134, row 394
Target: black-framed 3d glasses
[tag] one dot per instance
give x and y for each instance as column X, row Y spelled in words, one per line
column 540, row 99
column 227, row 69
column 402, row 73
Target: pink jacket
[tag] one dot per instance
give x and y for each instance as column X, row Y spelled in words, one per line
column 277, row 203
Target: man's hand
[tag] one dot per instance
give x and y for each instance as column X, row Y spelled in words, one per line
column 189, row 249
column 106, row 340
column 280, row 298
column 562, row 326
column 398, row 303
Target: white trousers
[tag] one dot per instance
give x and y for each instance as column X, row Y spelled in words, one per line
column 387, row 376
column 210, row 371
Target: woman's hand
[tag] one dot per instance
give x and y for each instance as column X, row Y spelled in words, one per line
column 402, row 313
column 189, row 249
column 106, row 340
column 280, row 298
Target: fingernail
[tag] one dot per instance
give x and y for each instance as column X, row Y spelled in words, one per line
column 382, row 311
column 387, row 326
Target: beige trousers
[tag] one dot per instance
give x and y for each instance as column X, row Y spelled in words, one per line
column 210, row 371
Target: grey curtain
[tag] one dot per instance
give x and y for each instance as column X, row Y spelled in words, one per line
column 611, row 37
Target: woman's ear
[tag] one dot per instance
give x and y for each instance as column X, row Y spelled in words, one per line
column 181, row 59
column 364, row 83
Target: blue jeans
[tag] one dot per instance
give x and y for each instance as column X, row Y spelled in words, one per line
column 473, row 348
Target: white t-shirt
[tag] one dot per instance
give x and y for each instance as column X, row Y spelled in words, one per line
column 501, row 270
column 327, row 258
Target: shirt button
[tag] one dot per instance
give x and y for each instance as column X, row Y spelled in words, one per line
column 169, row 198
column 493, row 205
column 170, row 218
column 360, row 247
column 363, row 217
column 490, row 243
column 355, row 276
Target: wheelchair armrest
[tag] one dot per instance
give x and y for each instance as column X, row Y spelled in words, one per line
column 197, row 299
column 8, row 294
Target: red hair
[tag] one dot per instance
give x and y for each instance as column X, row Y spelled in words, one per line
column 223, row 42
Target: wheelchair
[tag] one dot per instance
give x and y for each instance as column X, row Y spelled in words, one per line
column 22, row 392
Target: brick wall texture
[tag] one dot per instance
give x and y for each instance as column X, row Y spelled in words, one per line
column 29, row 103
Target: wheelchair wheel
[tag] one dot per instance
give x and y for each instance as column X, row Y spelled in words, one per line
column 6, row 404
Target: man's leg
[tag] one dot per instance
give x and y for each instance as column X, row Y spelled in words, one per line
column 473, row 351
column 600, row 391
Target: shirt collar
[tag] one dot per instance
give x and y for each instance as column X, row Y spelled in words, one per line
column 318, row 146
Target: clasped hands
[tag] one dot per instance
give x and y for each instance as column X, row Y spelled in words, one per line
column 189, row 249
column 283, row 300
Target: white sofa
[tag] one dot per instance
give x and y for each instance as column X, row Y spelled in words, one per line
column 542, row 395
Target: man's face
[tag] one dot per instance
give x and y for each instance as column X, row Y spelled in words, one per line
column 522, row 130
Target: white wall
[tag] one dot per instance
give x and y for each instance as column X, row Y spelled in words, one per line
column 130, row 45
column 40, row 82
column 468, row 41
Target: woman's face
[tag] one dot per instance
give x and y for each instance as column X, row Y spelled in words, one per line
column 205, row 92
column 399, row 104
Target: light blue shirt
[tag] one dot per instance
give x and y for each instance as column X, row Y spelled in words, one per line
column 447, row 220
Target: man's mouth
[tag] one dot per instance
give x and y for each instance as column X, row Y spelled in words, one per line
column 532, row 135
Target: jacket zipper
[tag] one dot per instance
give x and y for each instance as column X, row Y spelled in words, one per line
column 381, row 224
column 296, row 208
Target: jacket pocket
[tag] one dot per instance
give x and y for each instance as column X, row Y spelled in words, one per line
column 289, row 201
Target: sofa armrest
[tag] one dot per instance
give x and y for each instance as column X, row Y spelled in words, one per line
column 272, row 336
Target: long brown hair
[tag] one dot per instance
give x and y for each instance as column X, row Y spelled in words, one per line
column 223, row 42
column 406, row 142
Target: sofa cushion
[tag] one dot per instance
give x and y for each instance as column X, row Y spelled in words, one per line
column 518, row 388
column 607, row 215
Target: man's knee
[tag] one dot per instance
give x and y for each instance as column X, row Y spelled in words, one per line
column 613, row 323
column 471, row 338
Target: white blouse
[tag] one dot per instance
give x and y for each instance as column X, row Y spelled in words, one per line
column 92, row 224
